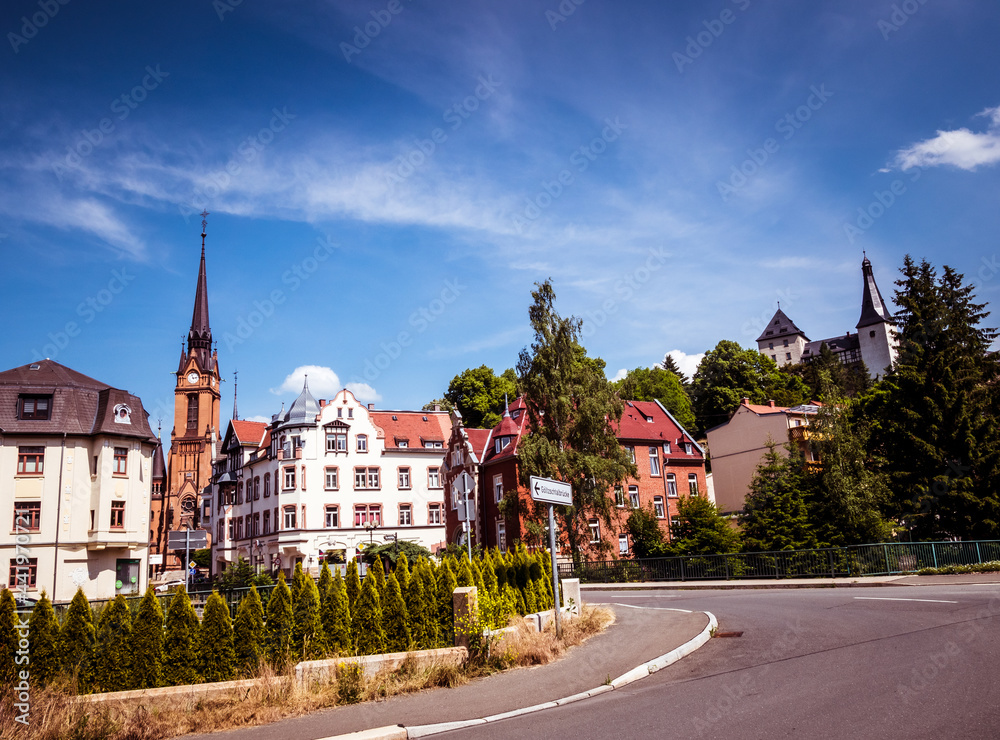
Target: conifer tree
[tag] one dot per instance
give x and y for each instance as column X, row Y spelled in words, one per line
column 216, row 653
column 530, row 598
column 180, row 656
column 430, row 626
column 44, row 634
column 369, row 634
column 147, row 642
column 445, row 607
column 278, row 627
column 8, row 637
column 477, row 576
column 114, row 649
column 298, row 583
column 325, row 581
column 416, row 609
column 403, row 572
column 308, row 639
column 353, row 585
column 700, row 530
column 395, row 618
column 522, row 608
column 464, row 577
column 76, row 643
column 489, row 576
column 378, row 570
column 248, row 634
column 337, row 617
column 775, row 515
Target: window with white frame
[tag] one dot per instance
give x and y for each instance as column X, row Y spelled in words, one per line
column 619, row 497
column 404, row 477
column 332, row 516
column 623, row 544
column 336, row 440
column 631, row 452
column 434, row 513
column 289, row 522
column 502, row 536
column 405, row 515
column 433, row 478
column 366, row 478
column 121, row 461
column 688, row 448
column 654, row 462
column 666, row 448
column 693, row 484
column 633, row 496
column 289, row 478
column 595, row 530
column 367, row 514
column 661, row 512
column 498, row 488
column 331, row 480
column 671, row 485
column 433, row 444
column 362, row 443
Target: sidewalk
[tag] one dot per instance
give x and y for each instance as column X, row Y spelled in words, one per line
column 637, row 637
column 965, row 579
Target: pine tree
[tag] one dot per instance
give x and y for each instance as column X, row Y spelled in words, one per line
column 337, row 618
column 114, row 649
column 308, row 638
column 395, row 618
column 369, row 634
column 325, row 581
column 44, row 633
column 248, row 634
column 416, row 609
column 216, row 653
column 445, row 606
column 76, row 643
column 147, row 642
column 699, row 530
column 278, row 627
column 403, row 571
column 353, row 585
column 180, row 656
column 378, row 570
column 775, row 515
column 8, row 637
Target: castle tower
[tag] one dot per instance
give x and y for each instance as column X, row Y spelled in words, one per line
column 782, row 340
column 877, row 339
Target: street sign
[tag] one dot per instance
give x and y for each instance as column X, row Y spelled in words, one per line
column 464, row 483
column 548, row 491
column 466, row 510
column 156, row 559
column 187, row 539
column 192, row 565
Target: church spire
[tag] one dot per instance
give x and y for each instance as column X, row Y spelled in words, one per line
column 873, row 308
column 200, row 335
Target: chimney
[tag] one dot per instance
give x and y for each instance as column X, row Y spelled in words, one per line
column 371, row 407
column 437, row 407
column 322, row 402
column 746, row 401
column 770, row 402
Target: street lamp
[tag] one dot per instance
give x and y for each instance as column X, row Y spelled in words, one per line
column 258, row 555
column 370, row 528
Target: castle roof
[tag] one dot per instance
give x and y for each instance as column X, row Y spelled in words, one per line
column 873, row 308
column 780, row 326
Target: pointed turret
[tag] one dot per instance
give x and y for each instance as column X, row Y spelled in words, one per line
column 873, row 310
column 200, row 335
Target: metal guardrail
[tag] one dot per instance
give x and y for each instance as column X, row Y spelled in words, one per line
column 887, row 558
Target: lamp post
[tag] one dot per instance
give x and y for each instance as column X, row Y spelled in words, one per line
column 258, row 556
column 370, row 528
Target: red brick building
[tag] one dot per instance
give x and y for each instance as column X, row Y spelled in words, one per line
column 670, row 465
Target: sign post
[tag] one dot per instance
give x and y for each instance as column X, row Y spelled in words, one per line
column 187, row 540
column 554, row 493
column 465, row 485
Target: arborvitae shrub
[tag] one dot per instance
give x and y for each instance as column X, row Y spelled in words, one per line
column 530, row 598
column 298, row 582
column 500, row 569
column 432, row 627
column 248, row 633
column 395, row 618
column 477, row 577
column 464, row 576
column 113, row 650
column 522, row 608
column 325, row 581
column 403, row 572
column 278, row 627
column 369, row 634
column 353, row 585
column 445, row 605
column 180, row 656
column 489, row 577
column 378, row 570
column 147, row 643
column 416, row 610
column 8, row 637
column 44, row 633
column 308, row 640
column 76, row 642
column 337, row 618
column 216, row 654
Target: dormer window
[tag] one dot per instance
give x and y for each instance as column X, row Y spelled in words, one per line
column 433, row 444
column 501, row 443
column 34, row 408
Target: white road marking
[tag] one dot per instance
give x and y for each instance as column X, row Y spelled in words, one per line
column 654, row 608
column 637, row 596
column 885, row 598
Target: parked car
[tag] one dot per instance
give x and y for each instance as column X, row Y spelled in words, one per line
column 168, row 585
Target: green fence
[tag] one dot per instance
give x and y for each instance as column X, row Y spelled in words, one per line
column 888, row 558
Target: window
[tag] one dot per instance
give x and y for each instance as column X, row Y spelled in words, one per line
column 623, row 544
column 671, row 485
column 220, row 530
column 633, row 496
column 433, row 478
column 405, row 518
column 332, row 517
column 192, row 420
column 27, row 516
column 434, row 513
column 498, row 488
column 654, row 462
column 267, row 485
column 289, row 478
column 30, row 460
column 362, row 443
column 502, row 536
column 34, row 408
column 332, row 479
column 688, row 448
column 631, row 452
column 666, row 448
column 433, row 444
column 501, row 442
column 619, row 497
column 267, row 522
column 239, row 493
column 336, row 441
column 784, row 343
column 289, row 522
column 774, row 357
column 788, row 355
column 367, row 514
column 366, row 478
column 693, row 484
column 256, row 524
column 661, row 512
column 232, row 529
column 256, row 488
column 239, row 528
column 23, row 573
column 403, row 444
column 770, row 345
column 595, row 530
column 404, row 477
column 118, row 515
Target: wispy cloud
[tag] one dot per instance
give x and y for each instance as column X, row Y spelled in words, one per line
column 960, row 148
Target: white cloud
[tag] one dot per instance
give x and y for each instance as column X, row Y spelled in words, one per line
column 364, row 392
column 687, row 363
column 620, row 375
column 323, row 381
column 258, row 417
column 960, row 148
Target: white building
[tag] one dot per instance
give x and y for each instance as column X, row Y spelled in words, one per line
column 76, row 459
column 326, row 478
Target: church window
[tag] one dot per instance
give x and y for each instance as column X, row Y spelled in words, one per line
column 192, row 418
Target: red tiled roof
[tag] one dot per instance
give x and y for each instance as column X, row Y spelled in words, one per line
column 634, row 424
column 249, row 432
column 478, row 439
column 410, row 425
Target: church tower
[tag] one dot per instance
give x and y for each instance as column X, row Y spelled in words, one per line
column 196, row 416
column 876, row 337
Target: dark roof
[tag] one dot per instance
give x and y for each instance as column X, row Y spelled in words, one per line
column 780, row 326
column 304, row 409
column 200, row 334
column 835, row 344
column 81, row 405
column 873, row 309
column 159, row 468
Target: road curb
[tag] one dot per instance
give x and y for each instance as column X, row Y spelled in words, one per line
column 732, row 586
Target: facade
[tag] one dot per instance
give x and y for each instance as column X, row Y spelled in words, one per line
column 738, row 446
column 874, row 343
column 671, row 465
column 76, row 467
column 322, row 480
column 194, row 437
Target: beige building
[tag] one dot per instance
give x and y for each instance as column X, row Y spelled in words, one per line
column 736, row 447
column 76, row 459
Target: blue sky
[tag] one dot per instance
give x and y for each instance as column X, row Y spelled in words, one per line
column 387, row 180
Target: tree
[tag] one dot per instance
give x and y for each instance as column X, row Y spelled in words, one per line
column 369, row 634
column 180, row 658
column 402, row 570
column 479, row 395
column 645, row 534
column 308, row 640
column 390, row 552
column 428, row 583
column 775, row 515
column 353, row 585
column 395, row 618
column 337, row 617
column 572, row 413
column 76, row 642
column 699, row 530
column 826, row 372
column 43, row 630
column 670, row 365
column 147, row 642
column 278, row 627
column 729, row 373
column 216, row 652
column 657, row 384
column 240, row 575
column 9, row 620
column 446, row 586
column 420, row 618
column 114, row 649
column 937, row 409
column 248, row 634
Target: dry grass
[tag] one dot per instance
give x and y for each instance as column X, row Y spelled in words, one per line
column 56, row 716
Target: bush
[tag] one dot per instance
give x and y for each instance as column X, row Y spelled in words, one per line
column 369, row 634
column 44, row 631
column 308, row 640
column 147, row 643
column 8, row 636
column 114, row 649
column 76, row 642
column 395, row 618
column 278, row 627
column 248, row 634
column 353, row 585
column 216, row 654
column 180, row 659
column 336, row 616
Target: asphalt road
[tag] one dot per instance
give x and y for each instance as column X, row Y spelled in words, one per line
column 901, row 662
